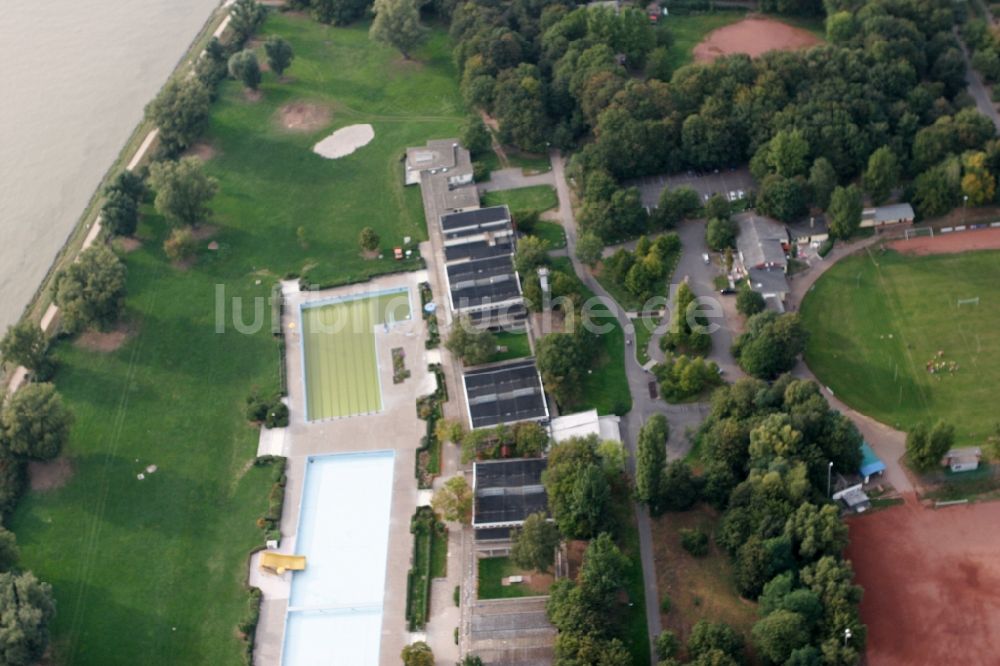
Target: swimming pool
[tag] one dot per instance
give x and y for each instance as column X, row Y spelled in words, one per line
column 335, row 608
column 340, row 363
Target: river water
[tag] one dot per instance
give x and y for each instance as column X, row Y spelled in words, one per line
column 75, row 76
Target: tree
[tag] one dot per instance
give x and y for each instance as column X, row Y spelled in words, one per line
column 882, row 174
column 577, row 487
column 26, row 608
column 935, row 191
column 417, row 654
column 475, row 136
column 666, row 644
column 35, row 422
column 816, row 531
column 9, row 553
column 680, row 488
column 279, row 54
column 244, row 19
column 782, row 198
column 397, row 24
column 708, row 636
column 531, row 253
column 589, row 248
column 787, row 152
column 749, row 302
column 770, row 345
column 533, row 546
column 779, row 634
column 720, row 233
column 845, row 211
column 561, row 363
column 120, row 211
column 183, row 190
column 651, row 458
column 926, row 446
column 471, row 660
column 180, row 245
column 368, row 239
column 978, row 184
column 603, row 572
column 243, row 66
column 91, row 290
column 473, row 345
column 454, row 500
column 822, row 181
column 180, row 112
column 717, row 207
column 26, row 344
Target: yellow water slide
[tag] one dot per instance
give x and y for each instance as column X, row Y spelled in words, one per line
column 279, row 564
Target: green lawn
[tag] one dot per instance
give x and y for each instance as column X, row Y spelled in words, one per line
column 536, row 198
column 551, row 232
column 516, row 343
column 689, row 29
column 644, row 327
column 875, row 321
column 154, row 570
column 493, row 569
column 605, row 388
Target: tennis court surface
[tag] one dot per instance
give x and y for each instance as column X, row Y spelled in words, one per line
column 339, row 357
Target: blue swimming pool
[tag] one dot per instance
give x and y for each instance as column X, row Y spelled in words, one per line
column 335, row 608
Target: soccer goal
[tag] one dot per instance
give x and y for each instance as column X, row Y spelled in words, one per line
column 919, row 231
column 968, row 301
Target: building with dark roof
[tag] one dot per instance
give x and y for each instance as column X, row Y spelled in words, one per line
column 880, row 216
column 485, row 283
column 506, row 492
column 480, row 218
column 505, row 393
column 761, row 243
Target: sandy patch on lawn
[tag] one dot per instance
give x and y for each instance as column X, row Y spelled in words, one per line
column 49, row 475
column 202, row 150
column 304, row 116
column 204, row 231
column 104, row 342
column 128, row 244
column 344, row 141
column 252, row 96
column 754, row 35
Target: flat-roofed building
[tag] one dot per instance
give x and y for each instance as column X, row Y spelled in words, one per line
column 505, row 393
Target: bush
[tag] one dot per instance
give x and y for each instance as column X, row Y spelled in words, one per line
column 694, row 541
column 247, row 625
column 720, row 233
column 13, row 475
column 749, row 302
column 825, row 247
column 665, row 605
column 277, row 415
column 180, row 245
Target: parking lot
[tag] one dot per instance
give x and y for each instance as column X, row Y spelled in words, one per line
column 722, row 182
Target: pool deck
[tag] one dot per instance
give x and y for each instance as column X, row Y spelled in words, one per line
column 396, row 427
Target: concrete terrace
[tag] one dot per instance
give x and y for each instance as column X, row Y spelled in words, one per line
column 395, row 427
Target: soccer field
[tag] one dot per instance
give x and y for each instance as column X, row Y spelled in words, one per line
column 880, row 323
column 340, row 361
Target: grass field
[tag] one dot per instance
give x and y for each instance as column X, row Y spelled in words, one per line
column 644, row 327
column 698, row 587
column 493, row 569
column 538, row 198
column 875, row 321
column 340, row 358
column 551, row 232
column 689, row 29
column 516, row 343
column 154, row 570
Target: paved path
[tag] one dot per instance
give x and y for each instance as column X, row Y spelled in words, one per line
column 978, row 91
column 514, row 178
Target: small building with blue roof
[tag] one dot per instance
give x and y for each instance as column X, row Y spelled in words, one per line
column 871, row 464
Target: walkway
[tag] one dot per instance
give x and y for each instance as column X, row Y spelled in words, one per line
column 979, row 92
column 514, row 178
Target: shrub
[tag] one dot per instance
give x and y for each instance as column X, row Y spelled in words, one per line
column 13, row 474
column 277, row 415
column 665, row 605
column 749, row 302
column 694, row 541
column 180, row 245
column 825, row 247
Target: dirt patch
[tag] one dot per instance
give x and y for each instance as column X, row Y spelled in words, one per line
column 127, row 244
column 204, row 231
column 370, row 254
column 931, row 579
column 252, row 96
column 949, row 243
column 304, row 116
column 104, row 342
column 49, row 475
column 408, row 65
column 754, row 35
column 202, row 150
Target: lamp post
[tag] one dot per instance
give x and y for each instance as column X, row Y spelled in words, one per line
column 829, row 477
column 965, row 206
column 847, row 636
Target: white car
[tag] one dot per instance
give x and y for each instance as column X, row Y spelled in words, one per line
column 706, row 258
column 741, row 194
column 732, row 195
column 705, row 196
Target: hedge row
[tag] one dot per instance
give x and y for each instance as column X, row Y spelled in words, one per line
column 423, row 526
column 428, row 462
column 433, row 334
column 270, row 522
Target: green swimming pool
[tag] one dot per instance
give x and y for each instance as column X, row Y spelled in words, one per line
column 339, row 358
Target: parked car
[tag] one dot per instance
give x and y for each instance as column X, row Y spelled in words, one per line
column 732, row 195
column 727, row 291
column 741, row 194
column 706, row 258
